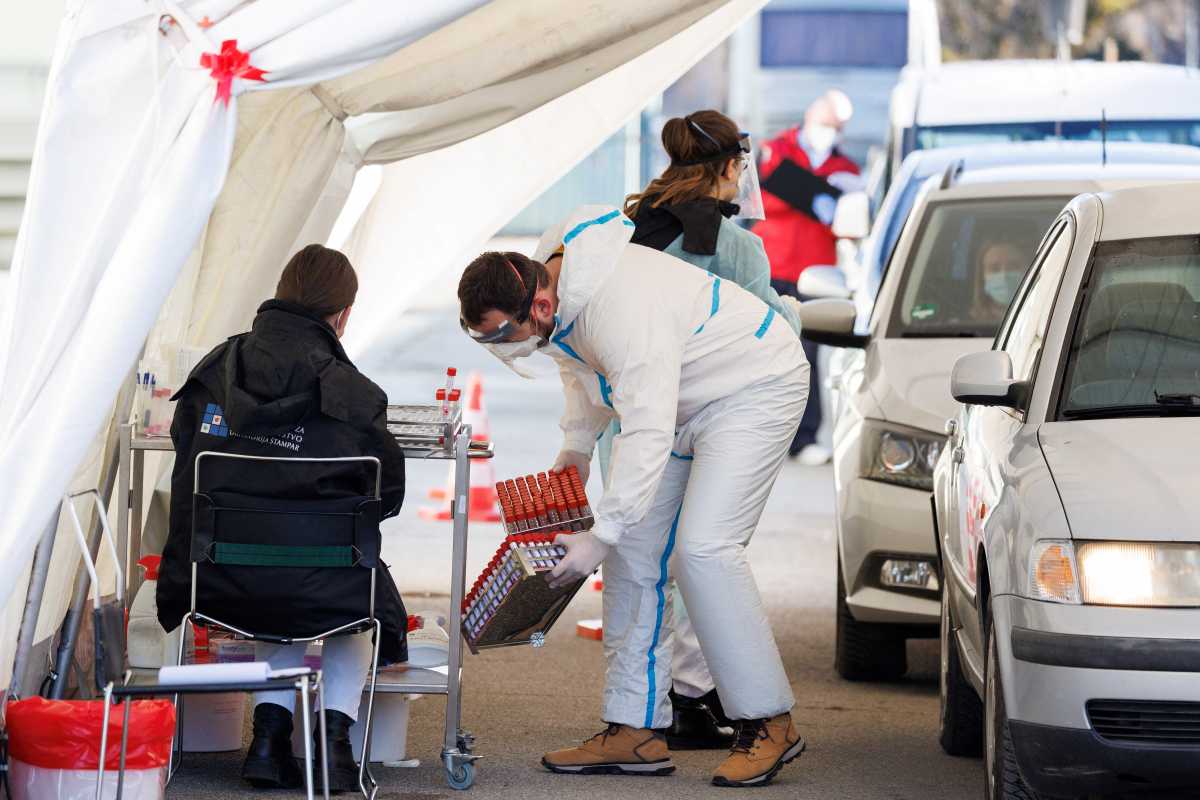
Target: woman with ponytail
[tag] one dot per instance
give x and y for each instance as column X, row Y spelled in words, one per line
column 686, row 212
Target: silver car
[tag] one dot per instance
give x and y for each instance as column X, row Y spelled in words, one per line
column 1067, row 515
column 967, row 242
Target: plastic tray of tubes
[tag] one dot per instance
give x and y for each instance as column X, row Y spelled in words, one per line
column 429, row 426
column 511, row 603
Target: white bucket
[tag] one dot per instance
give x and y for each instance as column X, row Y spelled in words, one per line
column 39, row 783
column 389, row 728
column 212, row 723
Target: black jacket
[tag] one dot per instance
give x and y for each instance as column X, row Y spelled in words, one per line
column 287, row 389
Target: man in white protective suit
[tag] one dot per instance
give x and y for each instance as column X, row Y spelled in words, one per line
column 708, row 386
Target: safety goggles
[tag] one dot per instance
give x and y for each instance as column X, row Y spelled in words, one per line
column 509, row 327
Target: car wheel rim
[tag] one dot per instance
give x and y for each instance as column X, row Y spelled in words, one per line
column 989, row 720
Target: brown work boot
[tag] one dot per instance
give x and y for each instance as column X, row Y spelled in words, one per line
column 760, row 750
column 618, row 750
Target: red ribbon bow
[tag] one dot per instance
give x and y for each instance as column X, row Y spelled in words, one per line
column 230, row 63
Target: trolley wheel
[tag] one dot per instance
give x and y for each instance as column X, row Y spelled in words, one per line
column 462, row 776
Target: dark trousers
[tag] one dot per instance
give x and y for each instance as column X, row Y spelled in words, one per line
column 811, row 421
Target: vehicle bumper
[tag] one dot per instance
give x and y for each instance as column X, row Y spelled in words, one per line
column 1055, row 658
column 877, row 519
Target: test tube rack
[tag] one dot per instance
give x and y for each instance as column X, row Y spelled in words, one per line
column 554, row 501
column 511, row 602
column 424, row 426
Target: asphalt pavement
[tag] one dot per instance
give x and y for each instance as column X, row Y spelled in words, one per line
column 869, row 741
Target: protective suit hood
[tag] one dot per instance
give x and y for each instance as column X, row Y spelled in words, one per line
column 593, row 238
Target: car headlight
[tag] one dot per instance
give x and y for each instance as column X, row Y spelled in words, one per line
column 1139, row 573
column 896, row 454
column 1116, row 573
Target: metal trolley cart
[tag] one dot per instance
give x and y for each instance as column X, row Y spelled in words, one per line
column 425, row 434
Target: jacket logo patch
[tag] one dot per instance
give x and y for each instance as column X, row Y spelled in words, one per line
column 214, row 421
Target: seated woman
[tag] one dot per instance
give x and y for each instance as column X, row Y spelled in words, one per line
column 287, row 389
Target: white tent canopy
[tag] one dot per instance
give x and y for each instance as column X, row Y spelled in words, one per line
column 156, row 197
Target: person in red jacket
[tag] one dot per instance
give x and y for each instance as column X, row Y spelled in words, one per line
column 803, row 173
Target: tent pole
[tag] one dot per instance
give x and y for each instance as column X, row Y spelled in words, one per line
column 33, row 605
column 108, row 476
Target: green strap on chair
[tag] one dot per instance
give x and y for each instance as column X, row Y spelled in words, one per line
column 281, row 555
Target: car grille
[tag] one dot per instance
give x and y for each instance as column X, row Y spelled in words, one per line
column 1146, row 721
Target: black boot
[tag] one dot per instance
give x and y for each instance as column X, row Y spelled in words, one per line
column 269, row 763
column 343, row 769
column 698, row 723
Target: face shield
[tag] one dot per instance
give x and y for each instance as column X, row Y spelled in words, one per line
column 749, row 195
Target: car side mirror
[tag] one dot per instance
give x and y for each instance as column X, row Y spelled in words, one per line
column 822, row 281
column 852, row 218
column 830, row 321
column 986, row 379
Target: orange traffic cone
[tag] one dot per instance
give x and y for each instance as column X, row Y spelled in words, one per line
column 483, row 505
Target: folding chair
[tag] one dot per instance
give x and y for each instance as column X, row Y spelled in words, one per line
column 112, row 679
column 234, row 531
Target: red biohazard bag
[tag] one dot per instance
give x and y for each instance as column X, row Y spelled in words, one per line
column 65, row 734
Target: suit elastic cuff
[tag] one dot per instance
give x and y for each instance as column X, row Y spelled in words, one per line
column 607, row 532
column 578, row 442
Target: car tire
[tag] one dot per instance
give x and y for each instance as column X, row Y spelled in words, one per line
column 865, row 651
column 1002, row 778
column 961, row 710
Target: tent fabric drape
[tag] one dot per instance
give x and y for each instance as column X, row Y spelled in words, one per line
column 131, row 155
column 152, row 202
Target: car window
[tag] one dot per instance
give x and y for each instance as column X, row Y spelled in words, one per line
column 965, row 265
column 1029, row 322
column 1136, row 343
column 1175, row 131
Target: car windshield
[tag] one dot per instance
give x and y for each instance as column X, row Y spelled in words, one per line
column 966, row 263
column 1181, row 131
column 1136, row 346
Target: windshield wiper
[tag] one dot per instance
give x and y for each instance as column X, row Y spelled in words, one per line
column 940, row 335
column 1164, row 405
column 1177, row 400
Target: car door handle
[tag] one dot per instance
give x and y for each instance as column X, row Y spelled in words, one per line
column 958, row 455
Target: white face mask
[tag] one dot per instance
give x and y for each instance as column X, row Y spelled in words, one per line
column 821, row 138
column 509, row 352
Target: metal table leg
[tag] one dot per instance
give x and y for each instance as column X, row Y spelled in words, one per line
column 124, row 498
column 456, row 752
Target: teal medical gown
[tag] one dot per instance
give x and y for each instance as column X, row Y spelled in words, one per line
column 740, row 258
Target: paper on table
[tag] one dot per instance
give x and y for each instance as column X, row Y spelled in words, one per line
column 246, row 672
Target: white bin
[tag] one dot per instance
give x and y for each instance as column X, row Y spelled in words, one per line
column 213, row 723
column 39, row 783
column 389, row 728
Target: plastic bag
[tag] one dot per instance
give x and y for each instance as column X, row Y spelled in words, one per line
column 65, row 734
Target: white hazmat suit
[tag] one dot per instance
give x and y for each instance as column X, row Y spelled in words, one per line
column 708, row 384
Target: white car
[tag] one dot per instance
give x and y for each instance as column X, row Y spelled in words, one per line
column 1066, row 507
column 958, row 261
column 976, row 102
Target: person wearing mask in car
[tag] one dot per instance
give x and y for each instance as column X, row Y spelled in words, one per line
column 804, row 172
column 998, row 272
column 689, row 212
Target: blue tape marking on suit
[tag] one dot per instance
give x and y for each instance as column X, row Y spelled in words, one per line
column 605, row 390
column 766, row 323
column 566, row 348
column 578, row 229
column 681, row 457
column 716, row 302
column 652, row 659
